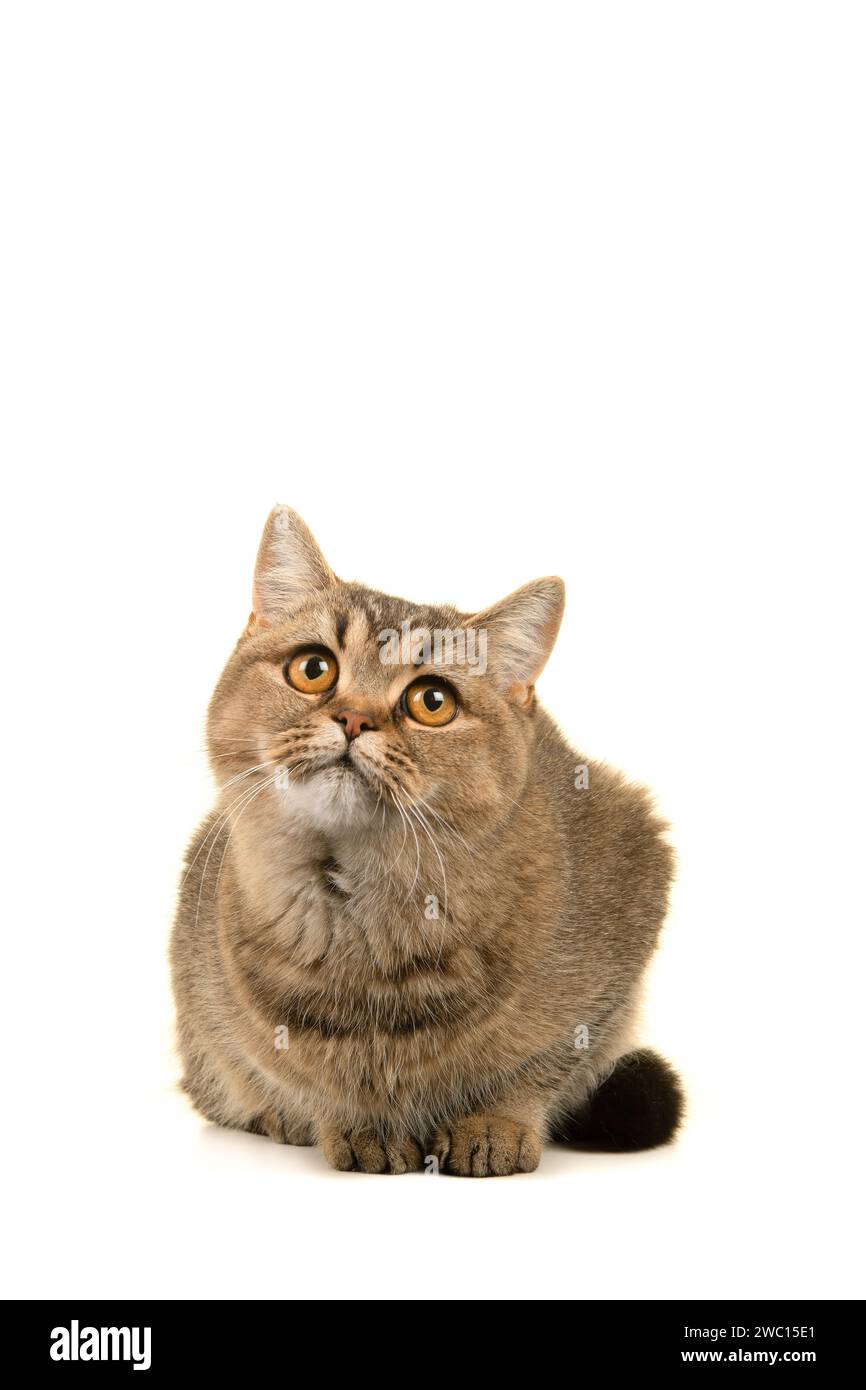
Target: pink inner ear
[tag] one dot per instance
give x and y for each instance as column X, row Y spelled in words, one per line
column 520, row 693
column 256, row 620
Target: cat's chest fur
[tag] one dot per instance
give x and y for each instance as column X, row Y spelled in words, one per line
column 334, row 911
column 371, row 991
column 348, row 926
column 383, row 978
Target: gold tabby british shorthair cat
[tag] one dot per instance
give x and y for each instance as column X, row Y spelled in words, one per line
column 414, row 926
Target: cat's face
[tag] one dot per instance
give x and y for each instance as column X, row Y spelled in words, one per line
column 361, row 706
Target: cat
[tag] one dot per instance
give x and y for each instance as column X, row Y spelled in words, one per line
column 413, row 928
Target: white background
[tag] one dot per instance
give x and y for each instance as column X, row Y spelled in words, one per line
column 485, row 291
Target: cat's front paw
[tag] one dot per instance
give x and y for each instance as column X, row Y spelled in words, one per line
column 486, row 1146
column 362, row 1151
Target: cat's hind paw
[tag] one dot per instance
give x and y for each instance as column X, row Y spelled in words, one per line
column 281, row 1129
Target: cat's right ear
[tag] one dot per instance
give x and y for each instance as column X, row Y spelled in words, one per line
column 289, row 567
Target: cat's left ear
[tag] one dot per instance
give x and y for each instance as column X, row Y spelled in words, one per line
column 521, row 631
column 289, row 567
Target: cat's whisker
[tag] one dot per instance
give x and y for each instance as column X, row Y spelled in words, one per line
column 268, row 782
column 214, row 827
column 239, row 776
column 212, row 835
column 405, row 835
column 446, row 826
column 521, row 807
column 247, row 792
column 221, row 826
column 235, row 752
column 246, row 731
column 413, row 811
column 411, row 888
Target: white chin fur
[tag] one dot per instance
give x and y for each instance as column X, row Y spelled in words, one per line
column 329, row 800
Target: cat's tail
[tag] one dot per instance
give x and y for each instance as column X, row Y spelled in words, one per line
column 639, row 1105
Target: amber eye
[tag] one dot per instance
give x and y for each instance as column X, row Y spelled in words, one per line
column 312, row 672
column 430, row 702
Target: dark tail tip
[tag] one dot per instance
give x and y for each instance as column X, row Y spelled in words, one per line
column 638, row 1106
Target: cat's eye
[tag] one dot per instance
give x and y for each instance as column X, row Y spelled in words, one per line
column 312, row 672
column 429, row 702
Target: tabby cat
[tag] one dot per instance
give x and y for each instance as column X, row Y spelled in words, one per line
column 414, row 926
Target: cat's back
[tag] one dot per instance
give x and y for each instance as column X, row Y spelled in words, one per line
column 618, row 863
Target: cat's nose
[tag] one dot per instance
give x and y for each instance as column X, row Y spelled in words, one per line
column 354, row 722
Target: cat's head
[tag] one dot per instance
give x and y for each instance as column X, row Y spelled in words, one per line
column 358, row 705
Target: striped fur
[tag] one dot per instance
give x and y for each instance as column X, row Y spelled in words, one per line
column 394, row 955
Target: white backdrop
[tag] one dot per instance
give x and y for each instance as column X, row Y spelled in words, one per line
column 485, row 291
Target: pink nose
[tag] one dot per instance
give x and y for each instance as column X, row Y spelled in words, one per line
column 354, row 722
